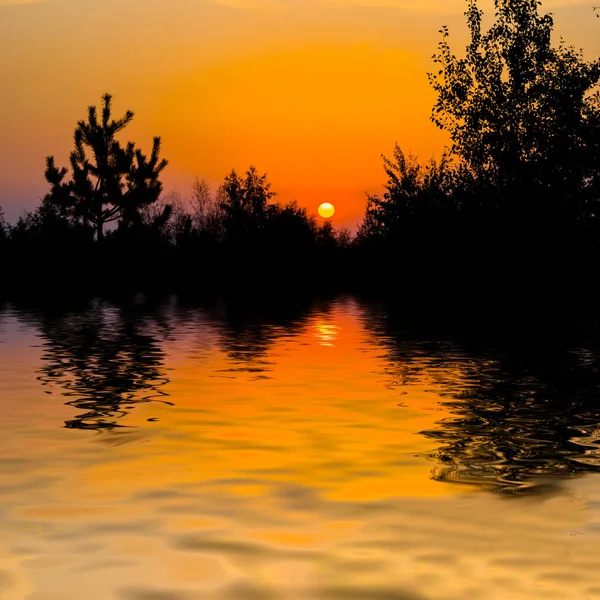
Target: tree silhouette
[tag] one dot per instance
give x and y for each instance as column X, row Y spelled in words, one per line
column 521, row 113
column 326, row 236
column 414, row 192
column 244, row 204
column 207, row 212
column 290, row 231
column 249, row 195
column 114, row 181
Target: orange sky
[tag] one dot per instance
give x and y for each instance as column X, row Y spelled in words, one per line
column 310, row 91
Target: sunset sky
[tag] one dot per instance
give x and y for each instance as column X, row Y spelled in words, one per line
column 312, row 92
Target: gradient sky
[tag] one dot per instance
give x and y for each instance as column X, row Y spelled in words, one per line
column 310, row 91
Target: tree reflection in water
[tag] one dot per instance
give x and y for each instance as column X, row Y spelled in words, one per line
column 525, row 398
column 106, row 358
column 523, row 417
column 524, row 401
column 248, row 329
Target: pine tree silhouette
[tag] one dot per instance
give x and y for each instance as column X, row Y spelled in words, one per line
column 109, row 182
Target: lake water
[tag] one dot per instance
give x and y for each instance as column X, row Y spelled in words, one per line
column 330, row 450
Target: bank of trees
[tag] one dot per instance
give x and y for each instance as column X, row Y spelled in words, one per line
column 108, row 217
column 523, row 168
column 520, row 179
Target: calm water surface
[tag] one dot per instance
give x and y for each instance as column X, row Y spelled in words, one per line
column 167, row 451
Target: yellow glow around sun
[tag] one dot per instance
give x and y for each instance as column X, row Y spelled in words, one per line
column 326, row 210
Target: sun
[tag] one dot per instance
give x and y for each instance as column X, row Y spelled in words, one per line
column 327, row 210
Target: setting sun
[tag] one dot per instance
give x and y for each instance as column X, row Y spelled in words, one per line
column 326, row 210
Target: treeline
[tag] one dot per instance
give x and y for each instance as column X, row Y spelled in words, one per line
column 518, row 192
column 237, row 232
column 107, row 221
column 516, row 195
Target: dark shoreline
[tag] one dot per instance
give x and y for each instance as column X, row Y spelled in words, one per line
column 495, row 298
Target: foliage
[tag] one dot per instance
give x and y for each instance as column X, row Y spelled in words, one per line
column 521, row 113
column 289, row 229
column 244, row 204
column 326, row 236
column 45, row 242
column 109, row 182
column 151, row 226
column 344, row 238
column 207, row 209
column 417, row 196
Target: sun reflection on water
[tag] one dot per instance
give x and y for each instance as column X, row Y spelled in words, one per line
column 327, row 333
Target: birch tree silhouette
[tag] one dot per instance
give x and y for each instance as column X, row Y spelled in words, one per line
column 521, row 112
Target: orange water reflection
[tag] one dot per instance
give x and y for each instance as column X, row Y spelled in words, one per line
column 241, row 454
